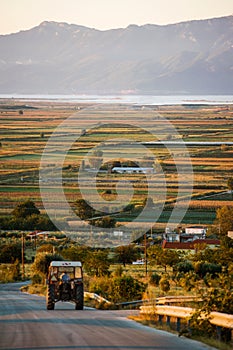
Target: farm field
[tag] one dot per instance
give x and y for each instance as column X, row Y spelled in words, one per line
column 26, row 127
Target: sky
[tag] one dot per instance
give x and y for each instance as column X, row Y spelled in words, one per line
column 16, row 15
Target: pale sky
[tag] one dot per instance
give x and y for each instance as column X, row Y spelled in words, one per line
column 16, row 15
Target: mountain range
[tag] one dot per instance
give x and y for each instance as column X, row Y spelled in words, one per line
column 193, row 57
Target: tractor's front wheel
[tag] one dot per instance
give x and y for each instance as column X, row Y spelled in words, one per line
column 79, row 298
column 50, row 297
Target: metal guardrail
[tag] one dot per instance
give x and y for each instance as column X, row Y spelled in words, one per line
column 177, row 299
column 216, row 318
column 158, row 301
column 96, row 297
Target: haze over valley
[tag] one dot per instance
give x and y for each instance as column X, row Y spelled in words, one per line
column 194, row 57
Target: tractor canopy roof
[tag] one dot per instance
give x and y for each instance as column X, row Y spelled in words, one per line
column 66, row 263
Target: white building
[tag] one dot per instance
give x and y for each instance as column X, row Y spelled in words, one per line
column 195, row 230
column 132, row 170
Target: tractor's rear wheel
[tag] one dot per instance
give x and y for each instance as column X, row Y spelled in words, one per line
column 50, row 297
column 79, row 298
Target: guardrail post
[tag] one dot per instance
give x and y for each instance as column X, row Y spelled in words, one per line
column 189, row 328
column 168, row 320
column 160, row 319
column 178, row 324
column 219, row 332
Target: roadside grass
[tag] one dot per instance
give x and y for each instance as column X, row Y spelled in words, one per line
column 37, row 289
column 146, row 321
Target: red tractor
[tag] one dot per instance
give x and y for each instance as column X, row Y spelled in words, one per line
column 65, row 283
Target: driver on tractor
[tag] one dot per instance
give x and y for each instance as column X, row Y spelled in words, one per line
column 65, row 277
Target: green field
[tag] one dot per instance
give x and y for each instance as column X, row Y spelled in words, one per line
column 24, row 137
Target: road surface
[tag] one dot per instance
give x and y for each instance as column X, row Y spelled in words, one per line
column 26, row 324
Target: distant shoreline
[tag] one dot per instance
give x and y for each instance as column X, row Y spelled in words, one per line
column 153, row 100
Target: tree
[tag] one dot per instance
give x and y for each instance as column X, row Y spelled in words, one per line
column 154, row 279
column 83, row 209
column 75, row 253
column 230, row 184
column 25, row 209
column 96, row 159
column 11, row 252
column 148, row 202
column 126, row 254
column 47, row 248
column 115, row 164
column 163, row 257
column 164, row 284
column 97, row 263
column 184, row 266
column 82, row 166
column 218, row 297
column 105, row 222
column 30, row 222
column 224, row 220
column 204, row 268
column 42, row 262
column 125, row 288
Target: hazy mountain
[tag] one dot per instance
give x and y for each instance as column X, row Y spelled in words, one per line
column 188, row 57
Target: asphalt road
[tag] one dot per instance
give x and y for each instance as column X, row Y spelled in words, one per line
column 26, row 324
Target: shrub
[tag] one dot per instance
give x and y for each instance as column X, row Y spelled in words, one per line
column 202, row 268
column 42, row 262
column 10, row 252
column 117, row 289
column 10, row 272
column 125, row 288
column 36, row 279
column 99, row 285
column 154, row 279
column 184, row 266
column 119, row 271
column 164, row 284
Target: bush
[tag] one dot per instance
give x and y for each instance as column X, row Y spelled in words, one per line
column 154, row 279
column 119, row 271
column 100, row 285
column 202, row 268
column 117, row 289
column 164, row 284
column 10, row 272
column 42, row 262
column 11, row 252
column 125, row 288
column 36, row 279
column 184, row 266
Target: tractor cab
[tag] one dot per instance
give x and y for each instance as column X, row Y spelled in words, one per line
column 65, row 283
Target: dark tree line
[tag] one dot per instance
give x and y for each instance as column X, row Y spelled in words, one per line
column 26, row 216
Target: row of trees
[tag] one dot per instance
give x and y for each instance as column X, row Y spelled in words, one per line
column 26, row 216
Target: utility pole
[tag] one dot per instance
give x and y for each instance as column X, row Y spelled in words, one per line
column 35, row 241
column 23, row 250
column 145, row 253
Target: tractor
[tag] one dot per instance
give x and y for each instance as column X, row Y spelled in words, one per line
column 65, row 283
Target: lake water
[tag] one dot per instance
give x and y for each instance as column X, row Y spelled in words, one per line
column 128, row 99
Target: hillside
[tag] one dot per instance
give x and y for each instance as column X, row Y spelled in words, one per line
column 189, row 57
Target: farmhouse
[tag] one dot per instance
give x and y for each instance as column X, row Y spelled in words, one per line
column 41, row 234
column 132, row 170
column 192, row 246
column 190, row 234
